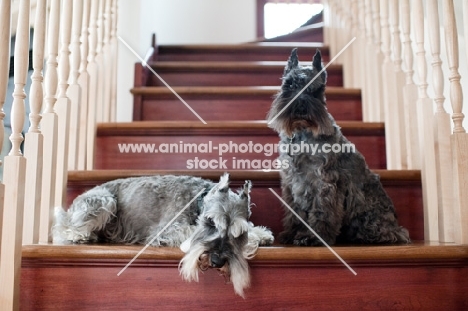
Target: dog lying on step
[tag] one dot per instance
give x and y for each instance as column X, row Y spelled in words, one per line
column 213, row 231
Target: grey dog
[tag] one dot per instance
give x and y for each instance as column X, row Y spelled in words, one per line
column 213, row 230
column 334, row 192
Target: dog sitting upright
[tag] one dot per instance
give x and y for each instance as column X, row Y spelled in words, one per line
column 213, row 231
column 335, row 193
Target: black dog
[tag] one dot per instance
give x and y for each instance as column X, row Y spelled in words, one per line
column 329, row 185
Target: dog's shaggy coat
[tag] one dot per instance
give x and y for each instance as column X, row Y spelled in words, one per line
column 213, row 231
column 335, row 193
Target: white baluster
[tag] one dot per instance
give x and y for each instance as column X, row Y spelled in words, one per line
column 107, row 60
column 361, row 54
column 33, row 149
column 368, row 110
column 49, row 125
column 93, row 81
column 389, row 89
column 459, row 138
column 114, row 44
column 5, row 21
column 398, row 112
column 63, row 103
column 100, row 63
column 442, row 129
column 354, row 48
column 74, row 90
column 15, row 172
column 410, row 91
column 83, row 82
column 378, row 58
column 426, row 132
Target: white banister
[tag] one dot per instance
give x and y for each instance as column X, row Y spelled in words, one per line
column 74, row 90
column 5, row 21
column 49, row 125
column 33, row 149
column 377, row 100
column 15, row 172
column 107, row 60
column 114, row 55
column 360, row 54
column 351, row 67
column 390, row 91
column 83, row 82
column 426, row 132
column 396, row 126
column 459, row 138
column 100, row 62
column 442, row 129
column 410, row 91
column 367, row 64
column 63, row 103
column 92, row 70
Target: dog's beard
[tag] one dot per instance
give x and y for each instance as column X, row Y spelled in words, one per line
column 197, row 258
column 190, row 263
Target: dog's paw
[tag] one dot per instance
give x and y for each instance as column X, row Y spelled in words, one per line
column 267, row 239
column 302, row 239
column 260, row 235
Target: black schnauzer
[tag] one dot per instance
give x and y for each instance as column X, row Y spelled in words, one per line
column 327, row 181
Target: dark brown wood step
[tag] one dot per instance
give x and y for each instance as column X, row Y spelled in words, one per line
column 229, row 103
column 238, row 73
column 112, row 138
column 403, row 187
column 418, row 276
column 259, row 51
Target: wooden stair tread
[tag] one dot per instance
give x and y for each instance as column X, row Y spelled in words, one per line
column 331, row 91
column 256, row 51
column 96, row 176
column 402, row 186
column 250, row 46
column 235, row 66
column 149, row 128
column 158, row 103
column 418, row 251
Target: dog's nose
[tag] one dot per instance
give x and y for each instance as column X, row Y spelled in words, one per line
column 216, row 261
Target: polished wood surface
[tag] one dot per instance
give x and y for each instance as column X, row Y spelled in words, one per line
column 240, row 73
column 230, row 103
column 403, row 187
column 419, row 276
column 369, row 139
column 258, row 51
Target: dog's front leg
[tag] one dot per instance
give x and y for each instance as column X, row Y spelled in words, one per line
column 324, row 215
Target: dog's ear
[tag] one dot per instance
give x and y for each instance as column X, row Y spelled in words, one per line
column 223, row 185
column 293, row 62
column 246, row 189
column 317, row 60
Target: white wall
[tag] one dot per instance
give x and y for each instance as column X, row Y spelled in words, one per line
column 176, row 22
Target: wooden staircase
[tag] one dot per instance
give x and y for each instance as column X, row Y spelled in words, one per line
column 231, row 87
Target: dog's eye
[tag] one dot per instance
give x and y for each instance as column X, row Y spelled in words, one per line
column 210, row 222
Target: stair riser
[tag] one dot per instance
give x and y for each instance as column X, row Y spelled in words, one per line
column 264, row 76
column 109, row 156
column 148, row 285
column 167, row 107
column 166, row 53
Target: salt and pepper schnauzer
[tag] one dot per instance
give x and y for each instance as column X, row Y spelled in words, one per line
column 335, row 193
column 213, row 232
